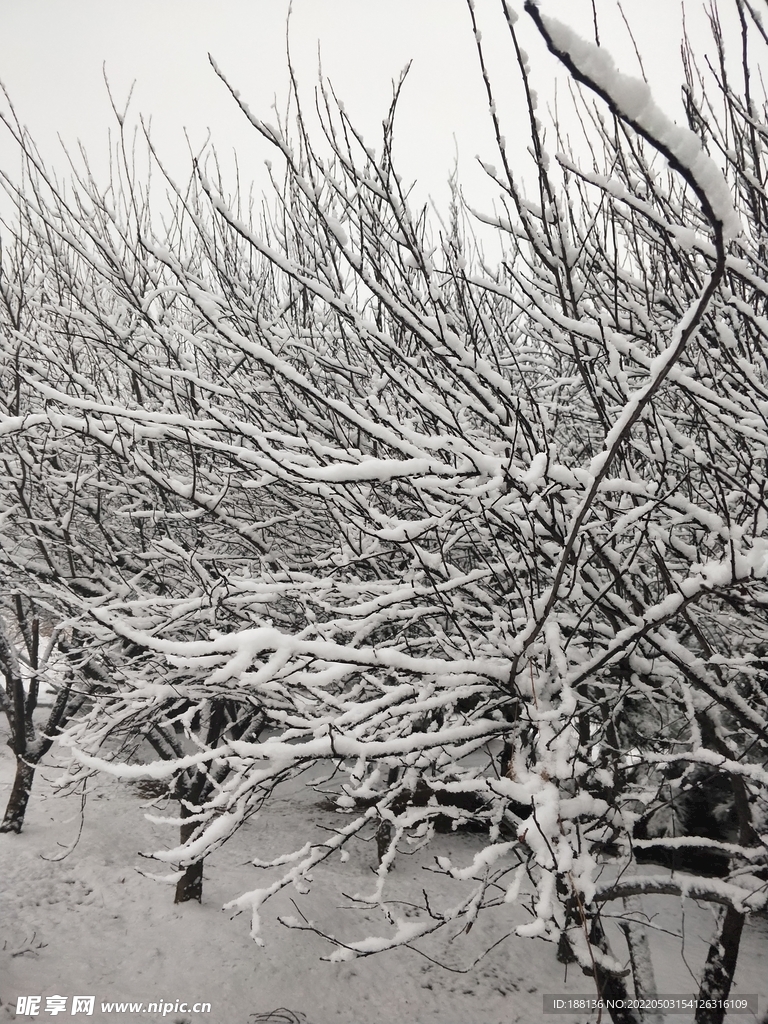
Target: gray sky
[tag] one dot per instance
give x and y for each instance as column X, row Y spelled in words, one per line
column 52, row 54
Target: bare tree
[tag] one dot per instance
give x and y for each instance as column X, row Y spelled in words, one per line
column 491, row 540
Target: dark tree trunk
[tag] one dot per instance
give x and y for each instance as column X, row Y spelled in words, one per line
column 610, row 986
column 194, row 787
column 723, row 953
column 190, row 885
column 640, row 955
column 720, row 966
column 17, row 804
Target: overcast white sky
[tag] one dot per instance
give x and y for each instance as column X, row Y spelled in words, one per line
column 52, row 54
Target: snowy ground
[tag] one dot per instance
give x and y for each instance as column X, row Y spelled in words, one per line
column 90, row 924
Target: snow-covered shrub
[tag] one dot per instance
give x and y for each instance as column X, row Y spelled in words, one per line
column 496, row 530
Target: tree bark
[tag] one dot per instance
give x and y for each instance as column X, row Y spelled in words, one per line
column 190, row 885
column 13, row 819
column 720, row 966
column 610, row 986
column 640, row 956
column 385, row 831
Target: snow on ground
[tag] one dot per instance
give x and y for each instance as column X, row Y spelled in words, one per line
column 90, row 924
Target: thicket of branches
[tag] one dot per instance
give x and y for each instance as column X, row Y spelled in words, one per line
column 490, row 540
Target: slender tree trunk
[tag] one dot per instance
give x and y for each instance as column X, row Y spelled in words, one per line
column 385, row 830
column 640, row 955
column 13, row 819
column 190, row 885
column 609, row 985
column 723, row 953
column 720, row 966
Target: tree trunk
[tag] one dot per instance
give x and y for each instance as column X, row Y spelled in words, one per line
column 720, row 966
column 385, row 831
column 640, row 956
column 17, row 804
column 190, row 885
column 609, row 986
